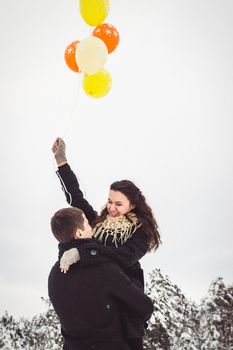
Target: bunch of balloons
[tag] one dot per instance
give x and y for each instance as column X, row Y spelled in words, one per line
column 89, row 55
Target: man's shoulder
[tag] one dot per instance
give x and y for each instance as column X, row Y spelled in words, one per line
column 55, row 268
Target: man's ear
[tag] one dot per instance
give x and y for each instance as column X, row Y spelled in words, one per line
column 78, row 234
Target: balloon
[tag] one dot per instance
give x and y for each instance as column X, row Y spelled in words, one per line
column 70, row 56
column 91, row 55
column 97, row 85
column 94, row 12
column 109, row 34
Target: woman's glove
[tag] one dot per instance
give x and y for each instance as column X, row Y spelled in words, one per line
column 59, row 150
column 68, row 258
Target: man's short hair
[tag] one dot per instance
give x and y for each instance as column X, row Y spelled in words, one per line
column 65, row 222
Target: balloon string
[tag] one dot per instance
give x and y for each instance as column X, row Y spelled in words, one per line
column 71, row 115
column 72, row 111
column 90, row 30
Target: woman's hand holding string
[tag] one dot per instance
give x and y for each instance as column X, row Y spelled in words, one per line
column 59, row 150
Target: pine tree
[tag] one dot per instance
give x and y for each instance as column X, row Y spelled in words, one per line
column 46, row 330
column 216, row 317
column 41, row 333
column 176, row 324
column 12, row 333
column 173, row 318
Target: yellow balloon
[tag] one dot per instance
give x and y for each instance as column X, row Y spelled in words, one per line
column 94, row 12
column 97, row 85
column 91, row 55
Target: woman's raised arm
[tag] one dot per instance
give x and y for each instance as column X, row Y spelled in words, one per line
column 69, row 182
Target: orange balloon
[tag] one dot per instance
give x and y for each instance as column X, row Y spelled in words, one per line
column 109, row 34
column 70, row 56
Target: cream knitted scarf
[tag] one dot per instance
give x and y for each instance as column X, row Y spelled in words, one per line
column 118, row 228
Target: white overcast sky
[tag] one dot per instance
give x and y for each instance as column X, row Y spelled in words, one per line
column 167, row 124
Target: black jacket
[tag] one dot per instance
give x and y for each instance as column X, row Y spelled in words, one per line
column 127, row 255
column 87, row 301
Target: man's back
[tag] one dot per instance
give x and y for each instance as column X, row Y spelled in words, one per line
column 87, row 300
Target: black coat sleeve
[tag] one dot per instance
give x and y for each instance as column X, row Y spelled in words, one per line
column 123, row 289
column 126, row 255
column 74, row 195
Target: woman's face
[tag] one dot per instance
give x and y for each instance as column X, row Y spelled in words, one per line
column 118, row 204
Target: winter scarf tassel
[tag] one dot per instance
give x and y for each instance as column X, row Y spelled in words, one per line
column 119, row 228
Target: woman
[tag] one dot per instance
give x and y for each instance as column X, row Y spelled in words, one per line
column 126, row 227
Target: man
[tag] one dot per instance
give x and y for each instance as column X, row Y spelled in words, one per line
column 87, row 299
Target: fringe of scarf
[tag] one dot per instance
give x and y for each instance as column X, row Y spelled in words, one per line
column 119, row 228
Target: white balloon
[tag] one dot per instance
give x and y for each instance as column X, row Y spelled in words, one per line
column 91, row 55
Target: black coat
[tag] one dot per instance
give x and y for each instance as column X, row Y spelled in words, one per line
column 127, row 255
column 87, row 301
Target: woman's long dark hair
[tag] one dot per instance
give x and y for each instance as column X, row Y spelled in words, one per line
column 142, row 211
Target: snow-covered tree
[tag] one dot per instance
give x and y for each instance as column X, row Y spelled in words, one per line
column 13, row 334
column 176, row 324
column 216, row 317
column 173, row 323
column 46, row 330
column 40, row 333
